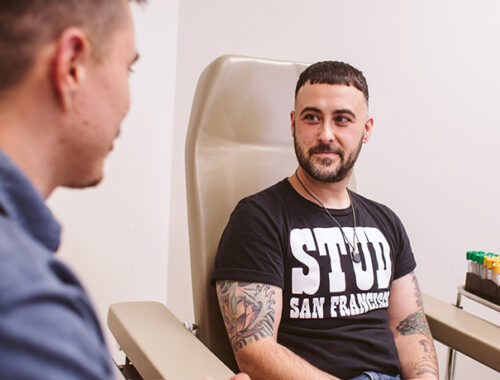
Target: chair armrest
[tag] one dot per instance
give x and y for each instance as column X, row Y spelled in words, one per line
column 159, row 346
column 463, row 331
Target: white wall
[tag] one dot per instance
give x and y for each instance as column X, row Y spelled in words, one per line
column 432, row 68
column 116, row 236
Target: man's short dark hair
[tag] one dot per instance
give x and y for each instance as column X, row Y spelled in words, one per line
column 333, row 72
column 25, row 25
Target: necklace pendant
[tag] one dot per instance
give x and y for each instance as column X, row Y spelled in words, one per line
column 356, row 257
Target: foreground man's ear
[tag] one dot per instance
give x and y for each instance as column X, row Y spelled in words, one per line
column 69, row 64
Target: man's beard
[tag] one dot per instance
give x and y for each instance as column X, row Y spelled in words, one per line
column 314, row 169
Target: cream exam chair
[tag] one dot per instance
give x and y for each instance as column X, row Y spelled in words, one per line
column 238, row 143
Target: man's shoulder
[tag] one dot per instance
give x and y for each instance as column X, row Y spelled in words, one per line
column 16, row 246
column 266, row 206
column 44, row 313
column 21, row 261
column 27, row 267
column 268, row 197
column 370, row 203
column 376, row 210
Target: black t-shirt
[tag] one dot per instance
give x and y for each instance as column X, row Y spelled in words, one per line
column 334, row 310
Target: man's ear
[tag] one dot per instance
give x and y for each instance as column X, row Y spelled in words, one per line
column 368, row 130
column 70, row 61
column 292, row 121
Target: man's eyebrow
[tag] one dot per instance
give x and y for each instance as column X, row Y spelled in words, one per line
column 344, row 111
column 336, row 112
column 310, row 109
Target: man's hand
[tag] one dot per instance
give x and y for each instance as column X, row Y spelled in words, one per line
column 413, row 338
column 239, row 376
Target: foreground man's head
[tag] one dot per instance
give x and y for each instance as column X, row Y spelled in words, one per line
column 64, row 69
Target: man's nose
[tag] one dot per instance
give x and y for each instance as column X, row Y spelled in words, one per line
column 326, row 133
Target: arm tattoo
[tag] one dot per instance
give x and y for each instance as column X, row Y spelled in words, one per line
column 415, row 323
column 247, row 310
column 418, row 295
column 428, row 362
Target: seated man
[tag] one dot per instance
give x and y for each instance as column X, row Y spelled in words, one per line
column 315, row 281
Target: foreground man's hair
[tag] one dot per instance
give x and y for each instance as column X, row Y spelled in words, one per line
column 26, row 25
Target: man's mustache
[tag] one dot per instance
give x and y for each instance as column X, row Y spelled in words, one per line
column 326, row 148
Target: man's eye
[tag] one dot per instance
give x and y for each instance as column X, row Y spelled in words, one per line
column 342, row 119
column 310, row 117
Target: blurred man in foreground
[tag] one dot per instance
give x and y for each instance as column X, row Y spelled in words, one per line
column 64, row 91
column 64, row 73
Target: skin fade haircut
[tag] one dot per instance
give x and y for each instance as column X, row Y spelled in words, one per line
column 333, row 72
column 26, row 25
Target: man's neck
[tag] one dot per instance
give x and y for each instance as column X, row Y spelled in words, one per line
column 332, row 195
column 24, row 140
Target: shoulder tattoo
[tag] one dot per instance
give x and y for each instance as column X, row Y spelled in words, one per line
column 248, row 311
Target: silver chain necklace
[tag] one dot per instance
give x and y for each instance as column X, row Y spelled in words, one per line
column 355, row 256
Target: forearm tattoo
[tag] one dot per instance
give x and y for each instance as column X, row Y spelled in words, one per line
column 415, row 323
column 248, row 311
column 428, row 361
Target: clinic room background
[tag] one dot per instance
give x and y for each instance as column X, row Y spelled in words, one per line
column 433, row 70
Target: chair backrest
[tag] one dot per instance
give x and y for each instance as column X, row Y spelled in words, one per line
column 239, row 142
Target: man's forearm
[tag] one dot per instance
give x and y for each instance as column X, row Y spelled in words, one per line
column 270, row 360
column 415, row 345
column 417, row 357
column 413, row 338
